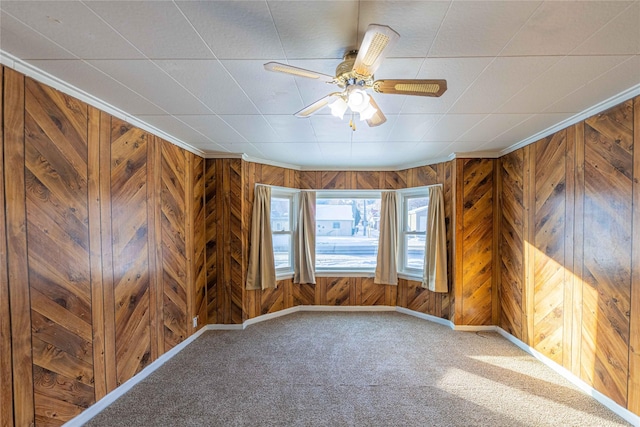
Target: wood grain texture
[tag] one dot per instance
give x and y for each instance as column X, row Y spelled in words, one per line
column 369, row 180
column 395, row 180
column 549, row 242
column 174, row 253
column 198, row 233
column 336, row 290
column 569, row 237
column 129, row 225
column 6, row 376
column 211, row 229
column 107, row 254
column 17, row 265
column 95, row 252
column 511, row 248
column 333, row 180
column 310, row 180
column 370, row 293
column 237, row 230
column 303, row 294
column 634, row 334
column 423, row 175
column 154, row 237
column 578, row 250
column 607, row 262
column 476, row 240
column 448, row 300
column 57, row 223
column 529, row 249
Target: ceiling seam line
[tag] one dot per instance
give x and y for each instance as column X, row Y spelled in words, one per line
column 483, row 71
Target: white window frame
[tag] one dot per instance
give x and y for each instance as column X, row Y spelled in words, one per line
column 346, row 194
column 286, row 193
column 405, row 195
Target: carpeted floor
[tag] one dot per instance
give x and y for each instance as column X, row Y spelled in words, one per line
column 354, row 369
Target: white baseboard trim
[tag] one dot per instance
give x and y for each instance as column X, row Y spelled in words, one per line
column 270, row 316
column 573, row 379
column 347, row 308
column 111, row 397
column 224, row 327
column 424, row 316
column 93, row 410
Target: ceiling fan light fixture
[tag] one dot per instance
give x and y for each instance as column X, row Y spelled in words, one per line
column 338, row 108
column 357, row 99
column 368, row 112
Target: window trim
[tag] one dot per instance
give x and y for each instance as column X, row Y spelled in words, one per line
column 405, row 195
column 287, row 193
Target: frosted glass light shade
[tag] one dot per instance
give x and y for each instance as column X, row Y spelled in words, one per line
column 338, row 108
column 358, row 99
column 368, row 112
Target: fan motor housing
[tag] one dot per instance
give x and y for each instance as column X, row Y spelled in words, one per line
column 345, row 76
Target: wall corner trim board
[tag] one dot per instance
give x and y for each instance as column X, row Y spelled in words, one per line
column 95, row 409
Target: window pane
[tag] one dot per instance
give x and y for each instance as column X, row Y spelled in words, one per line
column 347, row 233
column 282, row 250
column 417, row 213
column 414, row 258
column 280, row 214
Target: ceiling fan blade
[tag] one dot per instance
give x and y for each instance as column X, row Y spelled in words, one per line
column 376, row 43
column 378, row 118
column 277, row 67
column 310, row 110
column 411, row 87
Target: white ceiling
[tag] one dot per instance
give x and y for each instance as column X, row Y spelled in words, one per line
column 194, row 70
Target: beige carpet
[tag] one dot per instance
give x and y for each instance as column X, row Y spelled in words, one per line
column 354, row 369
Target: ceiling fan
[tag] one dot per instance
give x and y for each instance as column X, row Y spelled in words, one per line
column 355, row 75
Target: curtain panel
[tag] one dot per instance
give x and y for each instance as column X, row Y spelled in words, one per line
column 261, row 272
column 435, row 254
column 387, row 261
column 304, row 253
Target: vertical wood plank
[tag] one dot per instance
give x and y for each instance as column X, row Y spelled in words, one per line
column 6, row 376
column 211, row 231
column 188, row 240
column 633, row 399
column 130, row 247
column 569, row 235
column 17, row 266
column 56, row 184
column 107, row 253
column 497, row 232
column 95, row 242
column 529, row 250
column 199, row 243
column 154, row 214
column 578, row 251
column 174, row 249
column 458, row 197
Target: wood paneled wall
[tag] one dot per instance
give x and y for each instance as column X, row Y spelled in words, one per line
column 568, row 249
column 230, row 228
column 102, row 260
column 473, row 244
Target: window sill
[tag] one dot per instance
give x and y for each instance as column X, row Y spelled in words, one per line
column 345, row 273
column 284, row 275
column 410, row 276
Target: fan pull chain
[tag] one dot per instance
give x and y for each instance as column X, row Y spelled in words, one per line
column 352, row 124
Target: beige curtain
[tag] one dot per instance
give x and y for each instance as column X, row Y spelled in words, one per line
column 304, row 254
column 387, row 264
column 261, row 273
column 435, row 254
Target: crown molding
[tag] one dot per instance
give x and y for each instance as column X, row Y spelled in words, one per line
column 583, row 115
column 41, row 76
